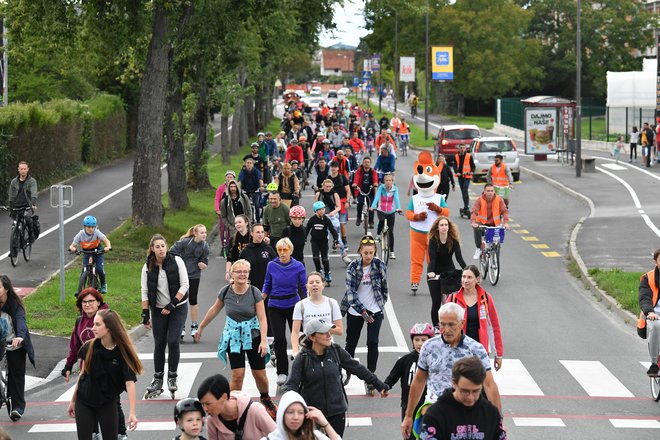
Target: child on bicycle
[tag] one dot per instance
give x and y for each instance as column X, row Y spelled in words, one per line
column 386, row 203
column 405, row 367
column 89, row 238
column 189, row 417
column 318, row 227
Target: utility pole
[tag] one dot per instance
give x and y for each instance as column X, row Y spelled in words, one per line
column 578, row 99
column 3, row 67
column 396, row 57
column 426, row 70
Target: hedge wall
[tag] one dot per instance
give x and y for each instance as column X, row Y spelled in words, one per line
column 57, row 137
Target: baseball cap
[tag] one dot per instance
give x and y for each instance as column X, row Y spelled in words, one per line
column 318, row 326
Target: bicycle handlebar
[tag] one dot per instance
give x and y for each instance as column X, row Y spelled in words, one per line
column 90, row 251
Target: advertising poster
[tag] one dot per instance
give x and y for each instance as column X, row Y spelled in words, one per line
column 407, row 69
column 540, row 133
column 442, row 63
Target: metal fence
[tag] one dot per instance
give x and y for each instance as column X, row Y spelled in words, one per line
column 599, row 122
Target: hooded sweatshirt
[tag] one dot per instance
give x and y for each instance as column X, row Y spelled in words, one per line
column 448, row 418
column 289, row 398
column 259, row 255
column 257, row 424
column 82, row 332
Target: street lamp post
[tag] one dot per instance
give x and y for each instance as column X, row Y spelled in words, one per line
column 578, row 99
column 396, row 57
column 426, row 70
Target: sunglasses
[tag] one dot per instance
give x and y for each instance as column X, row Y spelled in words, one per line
column 367, row 239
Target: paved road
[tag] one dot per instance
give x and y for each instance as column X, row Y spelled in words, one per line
column 571, row 368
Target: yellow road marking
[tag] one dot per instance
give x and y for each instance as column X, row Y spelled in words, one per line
column 514, row 225
column 521, row 231
column 540, row 246
column 551, row 254
column 530, row 238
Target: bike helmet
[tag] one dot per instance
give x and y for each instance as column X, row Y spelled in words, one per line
column 254, row 144
column 89, row 220
column 303, row 139
column 260, row 134
column 186, row 405
column 422, row 329
column 318, row 205
column 297, row 212
column 272, row 186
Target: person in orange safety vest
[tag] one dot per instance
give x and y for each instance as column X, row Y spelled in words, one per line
column 500, row 176
column 488, row 210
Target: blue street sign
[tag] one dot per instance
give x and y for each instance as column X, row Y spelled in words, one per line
column 356, row 81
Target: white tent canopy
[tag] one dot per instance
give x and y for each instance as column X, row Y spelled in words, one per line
column 631, row 89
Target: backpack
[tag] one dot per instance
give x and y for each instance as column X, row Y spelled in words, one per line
column 224, row 290
column 238, row 435
column 36, row 226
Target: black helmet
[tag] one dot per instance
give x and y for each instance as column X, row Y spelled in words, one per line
column 186, row 405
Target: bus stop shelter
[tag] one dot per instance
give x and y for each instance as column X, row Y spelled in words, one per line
column 549, row 127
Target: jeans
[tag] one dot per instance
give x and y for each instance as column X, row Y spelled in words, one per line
column 167, row 333
column 464, row 184
column 279, row 319
column 354, row 328
column 335, row 223
column 389, row 218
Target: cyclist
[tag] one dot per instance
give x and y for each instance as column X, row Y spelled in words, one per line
column 251, row 180
column 258, row 161
column 356, row 144
column 295, row 151
column 366, row 180
column 189, row 416
column 89, row 238
column 387, row 203
column 414, row 102
column 404, row 132
column 501, row 178
column 385, row 163
column 352, row 161
column 384, row 122
column 276, row 216
column 395, row 123
column 318, row 226
column 23, row 196
column 488, row 210
column 650, row 308
column 288, row 186
column 342, row 163
column 384, row 138
column 464, row 168
column 322, row 170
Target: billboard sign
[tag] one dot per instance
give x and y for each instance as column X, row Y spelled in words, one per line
column 407, row 69
column 442, row 63
column 540, row 133
column 375, row 62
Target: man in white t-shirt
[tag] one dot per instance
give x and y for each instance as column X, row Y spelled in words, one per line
column 364, row 301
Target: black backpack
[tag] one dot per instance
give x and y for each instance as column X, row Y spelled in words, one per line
column 238, row 435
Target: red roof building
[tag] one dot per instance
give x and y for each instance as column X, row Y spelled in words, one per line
column 336, row 62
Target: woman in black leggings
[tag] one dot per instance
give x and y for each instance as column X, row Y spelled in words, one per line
column 444, row 243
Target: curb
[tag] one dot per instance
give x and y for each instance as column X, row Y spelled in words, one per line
column 610, row 303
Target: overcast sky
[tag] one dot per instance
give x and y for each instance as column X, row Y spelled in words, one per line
column 350, row 25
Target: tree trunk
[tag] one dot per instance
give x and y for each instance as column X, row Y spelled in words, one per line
column 243, row 129
column 235, row 138
column 225, row 146
column 249, row 115
column 198, row 176
column 268, row 111
column 174, row 136
column 460, row 106
column 146, row 193
column 258, row 99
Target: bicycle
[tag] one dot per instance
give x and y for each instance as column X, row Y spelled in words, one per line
column 404, row 140
column 5, row 395
column 20, row 237
column 88, row 276
column 655, row 386
column 365, row 209
column 385, row 239
column 413, row 111
column 489, row 261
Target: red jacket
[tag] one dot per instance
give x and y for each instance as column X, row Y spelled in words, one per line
column 489, row 323
column 294, row 152
column 359, row 174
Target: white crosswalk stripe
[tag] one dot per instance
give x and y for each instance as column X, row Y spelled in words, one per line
column 513, row 379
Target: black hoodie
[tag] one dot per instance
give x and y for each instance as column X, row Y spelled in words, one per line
column 258, row 255
column 448, row 418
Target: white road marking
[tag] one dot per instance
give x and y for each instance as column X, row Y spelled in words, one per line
column 513, row 379
column 539, row 421
column 614, row 167
column 596, row 379
column 394, row 324
column 358, row 421
column 187, row 373
column 635, row 423
column 636, row 201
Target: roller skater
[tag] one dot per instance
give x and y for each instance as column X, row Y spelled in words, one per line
column 155, row 388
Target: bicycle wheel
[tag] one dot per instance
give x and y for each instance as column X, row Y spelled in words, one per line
column 655, row 388
column 483, row 260
column 14, row 245
column 84, row 281
column 4, row 390
column 494, row 265
column 25, row 244
column 384, row 246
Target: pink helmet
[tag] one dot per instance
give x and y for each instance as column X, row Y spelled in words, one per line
column 422, row 329
column 297, row 212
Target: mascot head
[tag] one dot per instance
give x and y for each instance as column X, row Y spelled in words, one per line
column 427, row 175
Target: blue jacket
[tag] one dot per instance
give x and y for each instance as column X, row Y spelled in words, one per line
column 17, row 313
column 382, row 192
column 237, row 336
column 385, row 164
column 282, row 283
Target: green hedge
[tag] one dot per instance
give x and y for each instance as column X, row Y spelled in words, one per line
column 58, row 137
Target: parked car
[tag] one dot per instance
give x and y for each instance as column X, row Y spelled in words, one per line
column 343, row 91
column 332, row 93
column 301, row 94
column 315, row 103
column 451, row 136
column 483, row 152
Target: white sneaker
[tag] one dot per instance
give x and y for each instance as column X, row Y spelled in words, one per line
column 477, row 254
column 392, row 256
column 346, row 259
column 281, row 379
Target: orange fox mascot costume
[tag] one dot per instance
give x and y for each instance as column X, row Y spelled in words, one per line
column 424, row 208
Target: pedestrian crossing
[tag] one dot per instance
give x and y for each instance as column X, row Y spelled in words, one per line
column 514, row 380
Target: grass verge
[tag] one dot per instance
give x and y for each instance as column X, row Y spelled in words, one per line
column 620, row 285
column 122, row 266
